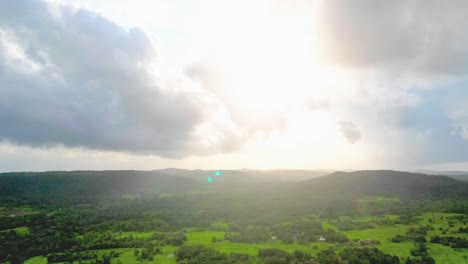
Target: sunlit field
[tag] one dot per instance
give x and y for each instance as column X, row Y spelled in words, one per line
column 379, row 232
column 326, row 219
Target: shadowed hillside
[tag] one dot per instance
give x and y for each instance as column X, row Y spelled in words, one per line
column 89, row 186
column 86, row 186
column 386, row 183
column 247, row 175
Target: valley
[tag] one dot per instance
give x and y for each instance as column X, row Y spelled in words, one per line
column 150, row 217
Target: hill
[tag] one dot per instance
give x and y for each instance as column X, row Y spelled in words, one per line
column 86, row 186
column 459, row 175
column 89, row 186
column 247, row 175
column 384, row 183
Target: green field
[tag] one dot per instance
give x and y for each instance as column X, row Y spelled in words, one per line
column 16, row 211
column 383, row 233
column 205, row 238
column 37, row 260
column 362, row 217
column 126, row 256
column 380, row 232
column 24, row 230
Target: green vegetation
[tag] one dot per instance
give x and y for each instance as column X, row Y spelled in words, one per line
column 23, row 230
column 365, row 217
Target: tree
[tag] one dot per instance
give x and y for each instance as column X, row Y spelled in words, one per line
column 420, row 249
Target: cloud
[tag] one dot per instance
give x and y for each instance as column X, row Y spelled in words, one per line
column 423, row 37
column 350, row 131
column 409, row 69
column 415, row 133
column 214, row 80
column 71, row 77
column 318, row 105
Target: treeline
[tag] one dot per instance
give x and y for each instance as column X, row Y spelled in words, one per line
column 78, row 187
column 346, row 225
column 449, row 241
column 201, row 254
column 68, row 256
column 301, row 231
column 417, row 235
column 63, row 235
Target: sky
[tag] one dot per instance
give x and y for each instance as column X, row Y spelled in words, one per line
column 210, row 84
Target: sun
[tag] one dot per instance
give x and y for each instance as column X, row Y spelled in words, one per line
column 269, row 60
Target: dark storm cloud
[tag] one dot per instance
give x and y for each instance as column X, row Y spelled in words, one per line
column 418, row 36
column 350, row 131
column 71, row 77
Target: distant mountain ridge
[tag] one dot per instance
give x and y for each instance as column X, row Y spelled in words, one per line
column 459, row 175
column 84, row 186
column 247, row 175
column 386, row 182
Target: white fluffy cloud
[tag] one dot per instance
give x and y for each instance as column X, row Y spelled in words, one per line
column 409, row 66
column 71, row 77
column 279, row 75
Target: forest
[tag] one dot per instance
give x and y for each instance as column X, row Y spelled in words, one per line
column 155, row 217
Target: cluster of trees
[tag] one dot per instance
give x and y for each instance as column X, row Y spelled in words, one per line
column 45, row 237
column 417, row 235
column 460, row 218
column 365, row 256
column 8, row 222
column 147, row 253
column 249, row 234
column 334, row 237
column 278, row 256
column 72, row 232
column 204, row 255
column 303, row 231
column 68, row 256
column 453, row 242
column 419, row 250
column 109, row 240
column 200, row 254
column 173, row 239
column 422, row 260
column 406, row 218
column 353, row 256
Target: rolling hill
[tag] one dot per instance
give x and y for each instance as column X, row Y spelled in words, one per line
column 247, row 175
column 384, row 183
column 86, row 186
column 89, row 186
